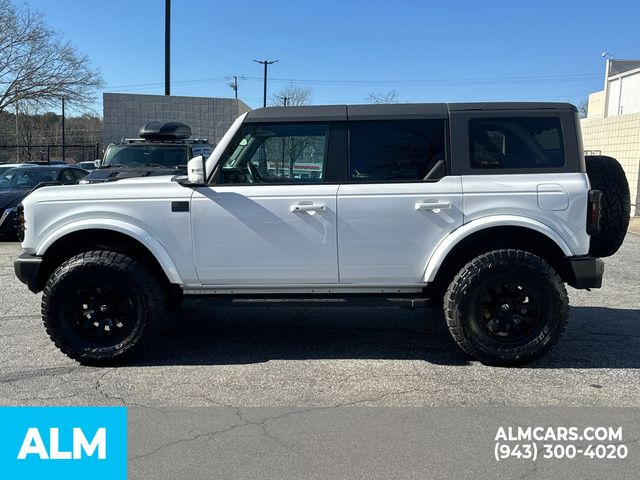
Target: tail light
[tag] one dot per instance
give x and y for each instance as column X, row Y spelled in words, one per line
column 20, row 222
column 594, row 212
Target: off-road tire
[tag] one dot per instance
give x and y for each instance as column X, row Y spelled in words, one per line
column 144, row 297
column 528, row 272
column 607, row 175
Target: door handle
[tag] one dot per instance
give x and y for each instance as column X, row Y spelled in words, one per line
column 312, row 207
column 435, row 206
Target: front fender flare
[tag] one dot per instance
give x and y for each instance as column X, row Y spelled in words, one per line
column 133, row 231
column 446, row 245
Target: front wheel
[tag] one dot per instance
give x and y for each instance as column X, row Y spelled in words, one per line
column 99, row 306
column 506, row 307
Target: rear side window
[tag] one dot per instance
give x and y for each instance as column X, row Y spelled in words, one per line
column 399, row 150
column 534, row 142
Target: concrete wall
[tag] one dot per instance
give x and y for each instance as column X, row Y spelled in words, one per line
column 596, row 104
column 208, row 118
column 618, row 137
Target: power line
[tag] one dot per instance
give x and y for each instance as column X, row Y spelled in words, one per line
column 391, row 83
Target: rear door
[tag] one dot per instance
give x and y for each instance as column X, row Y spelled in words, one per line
column 399, row 201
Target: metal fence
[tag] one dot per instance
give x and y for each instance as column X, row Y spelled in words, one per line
column 46, row 153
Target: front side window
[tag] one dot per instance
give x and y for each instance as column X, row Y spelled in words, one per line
column 399, row 150
column 276, row 153
column 534, row 142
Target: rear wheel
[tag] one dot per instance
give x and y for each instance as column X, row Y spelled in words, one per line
column 99, row 306
column 506, row 307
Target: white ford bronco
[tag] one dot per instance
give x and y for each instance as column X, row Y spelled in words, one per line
column 484, row 209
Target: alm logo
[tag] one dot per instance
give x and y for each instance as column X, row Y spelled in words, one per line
column 33, row 445
column 63, row 442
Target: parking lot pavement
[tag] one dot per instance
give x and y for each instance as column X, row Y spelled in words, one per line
column 322, row 357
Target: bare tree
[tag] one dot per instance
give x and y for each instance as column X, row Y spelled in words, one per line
column 583, row 108
column 383, row 97
column 292, row 96
column 291, row 148
column 37, row 65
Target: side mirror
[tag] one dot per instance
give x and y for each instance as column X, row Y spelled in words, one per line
column 96, row 163
column 195, row 170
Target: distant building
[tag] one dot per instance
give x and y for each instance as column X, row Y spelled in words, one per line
column 612, row 126
column 209, row 118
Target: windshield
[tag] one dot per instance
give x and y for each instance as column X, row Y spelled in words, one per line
column 168, row 156
column 26, row 178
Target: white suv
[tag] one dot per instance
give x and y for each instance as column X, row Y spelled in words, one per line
column 486, row 209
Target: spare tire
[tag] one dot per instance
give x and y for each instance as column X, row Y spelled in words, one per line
column 607, row 175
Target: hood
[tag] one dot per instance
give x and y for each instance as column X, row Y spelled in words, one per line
column 11, row 197
column 111, row 174
column 150, row 187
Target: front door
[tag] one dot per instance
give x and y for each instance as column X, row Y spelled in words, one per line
column 270, row 218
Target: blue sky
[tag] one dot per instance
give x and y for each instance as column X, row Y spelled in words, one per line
column 428, row 51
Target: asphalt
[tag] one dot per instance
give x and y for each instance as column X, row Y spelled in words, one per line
column 324, row 357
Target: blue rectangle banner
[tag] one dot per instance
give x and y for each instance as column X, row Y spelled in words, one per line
column 63, row 442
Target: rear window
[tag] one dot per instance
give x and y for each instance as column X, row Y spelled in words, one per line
column 405, row 150
column 534, row 142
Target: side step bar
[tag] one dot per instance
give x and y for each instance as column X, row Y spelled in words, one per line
column 302, row 301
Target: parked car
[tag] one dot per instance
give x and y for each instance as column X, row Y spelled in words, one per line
column 88, row 166
column 162, row 149
column 485, row 209
column 17, row 183
column 8, row 166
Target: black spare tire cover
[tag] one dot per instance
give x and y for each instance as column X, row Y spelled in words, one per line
column 607, row 175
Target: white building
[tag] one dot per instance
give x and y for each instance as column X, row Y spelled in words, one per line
column 612, row 126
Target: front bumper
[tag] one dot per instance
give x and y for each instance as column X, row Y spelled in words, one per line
column 585, row 272
column 26, row 267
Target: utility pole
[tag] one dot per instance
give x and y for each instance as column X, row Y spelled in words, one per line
column 265, row 63
column 234, row 85
column 63, row 136
column 284, row 99
column 167, row 47
column 17, row 137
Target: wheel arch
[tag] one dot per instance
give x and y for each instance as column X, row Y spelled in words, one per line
column 487, row 234
column 116, row 236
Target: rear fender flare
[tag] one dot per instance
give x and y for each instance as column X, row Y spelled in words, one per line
column 446, row 245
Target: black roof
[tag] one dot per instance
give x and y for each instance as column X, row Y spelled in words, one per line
column 395, row 111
